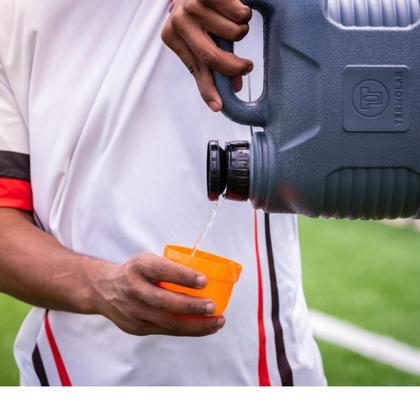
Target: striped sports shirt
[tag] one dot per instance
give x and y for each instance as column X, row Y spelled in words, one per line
column 103, row 136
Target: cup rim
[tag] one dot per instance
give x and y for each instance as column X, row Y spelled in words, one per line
column 221, row 263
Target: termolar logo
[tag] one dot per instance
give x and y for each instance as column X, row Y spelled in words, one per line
column 370, row 98
column 376, row 98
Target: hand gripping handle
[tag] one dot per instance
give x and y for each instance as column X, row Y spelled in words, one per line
column 248, row 113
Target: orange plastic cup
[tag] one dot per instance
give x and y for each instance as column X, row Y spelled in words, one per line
column 221, row 273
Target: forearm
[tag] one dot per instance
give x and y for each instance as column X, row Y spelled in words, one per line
column 36, row 269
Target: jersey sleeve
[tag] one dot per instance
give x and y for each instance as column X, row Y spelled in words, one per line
column 15, row 181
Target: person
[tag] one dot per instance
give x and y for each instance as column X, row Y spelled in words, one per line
column 103, row 140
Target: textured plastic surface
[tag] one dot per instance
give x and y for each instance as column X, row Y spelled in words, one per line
column 371, row 193
column 375, row 13
column 340, row 109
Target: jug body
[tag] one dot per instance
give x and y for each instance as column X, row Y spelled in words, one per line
column 340, row 111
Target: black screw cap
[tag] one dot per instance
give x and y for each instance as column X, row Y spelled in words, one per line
column 238, row 170
column 228, row 170
column 216, row 170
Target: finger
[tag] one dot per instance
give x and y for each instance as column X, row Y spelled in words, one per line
column 137, row 321
column 207, row 88
column 140, row 329
column 207, row 52
column 201, row 73
column 237, row 83
column 233, row 10
column 167, row 301
column 217, row 24
column 157, row 268
column 190, row 330
column 174, row 334
column 182, row 325
column 180, row 48
column 133, row 328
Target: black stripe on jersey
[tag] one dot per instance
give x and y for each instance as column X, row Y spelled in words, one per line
column 285, row 371
column 15, row 165
column 39, row 367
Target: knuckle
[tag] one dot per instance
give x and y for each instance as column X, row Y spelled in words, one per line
column 194, row 70
column 244, row 14
column 241, row 67
column 155, row 301
column 146, row 262
column 191, row 308
column 167, row 34
column 132, row 292
column 236, row 32
column 136, row 265
column 192, row 7
column 187, row 278
column 159, row 300
column 197, row 308
column 135, row 290
column 131, row 267
column 178, row 18
column 208, row 57
column 241, row 32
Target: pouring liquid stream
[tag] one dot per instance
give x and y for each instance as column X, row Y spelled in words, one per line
column 210, row 221
column 213, row 213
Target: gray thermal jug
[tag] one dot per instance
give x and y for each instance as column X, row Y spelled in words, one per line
column 340, row 112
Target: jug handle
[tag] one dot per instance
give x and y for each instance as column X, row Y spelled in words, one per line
column 248, row 113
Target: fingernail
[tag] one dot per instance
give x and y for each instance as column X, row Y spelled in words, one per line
column 220, row 322
column 200, row 281
column 214, row 106
column 210, row 308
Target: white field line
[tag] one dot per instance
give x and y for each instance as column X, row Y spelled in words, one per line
column 374, row 346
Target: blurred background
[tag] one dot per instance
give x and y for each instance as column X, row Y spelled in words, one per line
column 362, row 284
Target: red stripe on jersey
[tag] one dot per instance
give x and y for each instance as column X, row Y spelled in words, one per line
column 16, row 194
column 61, row 368
column 263, row 375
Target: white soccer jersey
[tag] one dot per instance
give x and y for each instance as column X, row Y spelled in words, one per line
column 103, row 135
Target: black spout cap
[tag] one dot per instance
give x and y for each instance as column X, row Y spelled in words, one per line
column 216, row 170
column 228, row 171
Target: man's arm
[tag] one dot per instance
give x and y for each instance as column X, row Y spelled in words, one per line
column 36, row 269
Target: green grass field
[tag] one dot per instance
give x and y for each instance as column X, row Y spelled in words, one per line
column 368, row 274
column 12, row 314
column 364, row 273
